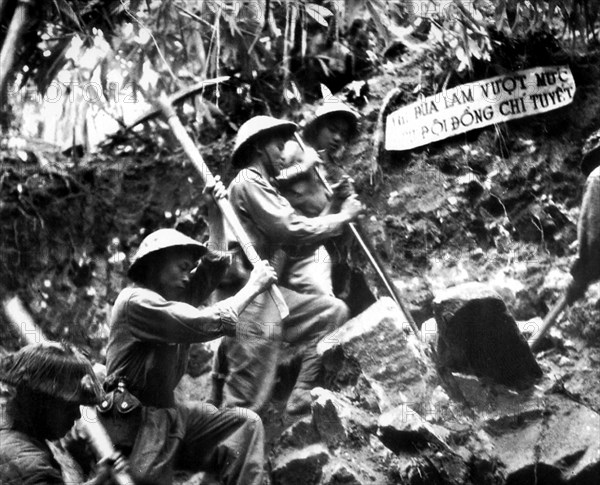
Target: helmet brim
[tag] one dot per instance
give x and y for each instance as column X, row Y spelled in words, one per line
column 286, row 129
column 312, row 127
column 137, row 270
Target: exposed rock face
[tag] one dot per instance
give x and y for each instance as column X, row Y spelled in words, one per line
column 478, row 335
column 337, row 420
column 555, row 440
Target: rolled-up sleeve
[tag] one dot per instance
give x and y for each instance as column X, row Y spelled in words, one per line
column 276, row 219
column 152, row 318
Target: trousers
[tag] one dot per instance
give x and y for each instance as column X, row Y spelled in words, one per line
column 252, row 361
column 197, row 436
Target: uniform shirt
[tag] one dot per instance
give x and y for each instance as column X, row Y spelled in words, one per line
column 586, row 268
column 305, row 190
column 26, row 461
column 150, row 336
column 306, row 193
column 269, row 219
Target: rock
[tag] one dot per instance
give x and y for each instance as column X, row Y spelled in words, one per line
column 376, row 343
column 403, row 429
column 428, row 468
column 301, row 467
column 367, row 394
column 555, row 441
column 487, row 399
column 300, row 434
column 477, row 335
column 338, row 473
column 337, row 421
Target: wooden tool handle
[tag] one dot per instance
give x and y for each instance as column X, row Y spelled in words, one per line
column 550, row 319
column 224, row 205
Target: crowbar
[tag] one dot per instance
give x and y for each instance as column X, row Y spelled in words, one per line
column 369, row 251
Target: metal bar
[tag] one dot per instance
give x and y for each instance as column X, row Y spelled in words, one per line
column 369, row 251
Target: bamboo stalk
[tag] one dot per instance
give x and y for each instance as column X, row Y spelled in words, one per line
column 8, row 55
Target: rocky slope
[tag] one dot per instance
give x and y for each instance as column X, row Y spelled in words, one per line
column 497, row 206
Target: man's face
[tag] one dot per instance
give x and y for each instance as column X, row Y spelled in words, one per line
column 59, row 417
column 174, row 274
column 332, row 134
column 272, row 155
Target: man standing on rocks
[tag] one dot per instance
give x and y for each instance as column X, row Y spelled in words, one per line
column 47, row 383
column 276, row 229
column 586, row 268
column 154, row 321
column 302, row 183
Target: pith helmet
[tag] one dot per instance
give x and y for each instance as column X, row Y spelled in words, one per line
column 158, row 241
column 58, row 370
column 330, row 110
column 591, row 153
column 257, row 127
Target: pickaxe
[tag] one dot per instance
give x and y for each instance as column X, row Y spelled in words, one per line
column 224, row 205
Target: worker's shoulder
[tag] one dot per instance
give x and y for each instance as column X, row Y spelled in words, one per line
column 247, row 177
column 137, row 295
column 22, row 458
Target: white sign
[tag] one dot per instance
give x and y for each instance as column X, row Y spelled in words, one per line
column 478, row 104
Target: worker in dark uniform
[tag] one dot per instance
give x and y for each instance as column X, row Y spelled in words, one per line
column 45, row 383
column 154, row 321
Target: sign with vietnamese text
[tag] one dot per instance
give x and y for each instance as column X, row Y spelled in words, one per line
column 479, row 104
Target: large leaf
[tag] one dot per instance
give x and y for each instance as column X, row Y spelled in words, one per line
column 318, row 13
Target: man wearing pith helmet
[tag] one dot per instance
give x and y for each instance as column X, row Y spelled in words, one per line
column 153, row 323
column 302, row 183
column 276, row 229
column 586, row 268
column 46, row 383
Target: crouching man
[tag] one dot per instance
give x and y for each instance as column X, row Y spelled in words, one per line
column 45, row 384
column 152, row 325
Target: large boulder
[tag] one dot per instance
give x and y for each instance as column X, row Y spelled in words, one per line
column 477, row 335
column 379, row 344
